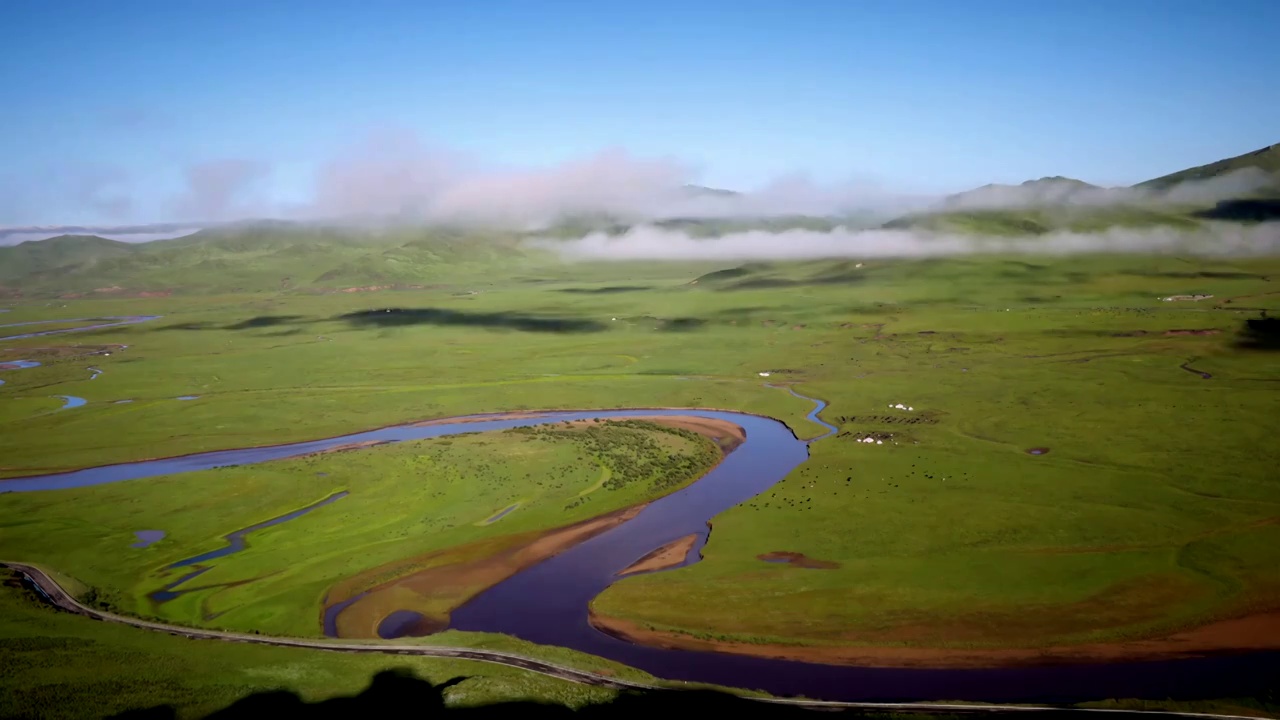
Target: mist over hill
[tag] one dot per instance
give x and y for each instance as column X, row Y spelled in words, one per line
column 1226, row 207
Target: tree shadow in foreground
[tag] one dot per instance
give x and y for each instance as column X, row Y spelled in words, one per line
column 402, row 317
column 394, row 693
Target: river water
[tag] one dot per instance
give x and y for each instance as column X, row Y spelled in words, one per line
column 548, row 602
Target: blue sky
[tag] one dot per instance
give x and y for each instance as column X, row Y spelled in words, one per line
column 108, row 104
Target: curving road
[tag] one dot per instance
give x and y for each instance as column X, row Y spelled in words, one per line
column 57, row 596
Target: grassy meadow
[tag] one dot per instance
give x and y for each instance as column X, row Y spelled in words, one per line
column 52, row 666
column 1154, row 508
column 405, row 500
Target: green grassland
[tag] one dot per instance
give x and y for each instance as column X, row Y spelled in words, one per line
column 405, row 500
column 1150, row 512
column 1153, row 510
column 52, row 665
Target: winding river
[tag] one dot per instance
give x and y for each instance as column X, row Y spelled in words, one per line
column 548, row 603
column 99, row 323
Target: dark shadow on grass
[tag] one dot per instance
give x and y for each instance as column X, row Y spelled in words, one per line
column 726, row 274
column 765, row 283
column 607, row 290
column 263, row 321
column 682, row 324
column 405, row 317
column 1258, row 210
column 253, row 323
column 1259, row 334
column 202, row 325
column 400, row 693
column 1196, row 275
column 762, row 284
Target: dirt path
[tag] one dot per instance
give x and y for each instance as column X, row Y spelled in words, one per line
column 55, row 595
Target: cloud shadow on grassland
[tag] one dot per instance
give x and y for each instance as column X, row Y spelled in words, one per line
column 405, row 317
column 607, row 290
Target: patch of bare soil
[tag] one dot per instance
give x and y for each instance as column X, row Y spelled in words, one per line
column 348, row 446
column 450, row 584
column 1250, row 633
column 1207, row 331
column 117, row 291
column 664, row 558
column 723, row 433
column 726, row 435
column 796, row 559
column 424, row 626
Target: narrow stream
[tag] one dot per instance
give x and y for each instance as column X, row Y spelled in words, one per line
column 100, row 323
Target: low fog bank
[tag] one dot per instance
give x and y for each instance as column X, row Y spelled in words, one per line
column 647, row 242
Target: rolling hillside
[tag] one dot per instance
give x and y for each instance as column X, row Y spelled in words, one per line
column 1065, row 204
column 1267, row 160
column 1046, row 190
column 253, row 258
column 54, row 254
column 266, row 256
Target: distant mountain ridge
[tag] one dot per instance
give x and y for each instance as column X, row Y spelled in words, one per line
column 274, row 255
column 1183, row 199
column 1046, row 190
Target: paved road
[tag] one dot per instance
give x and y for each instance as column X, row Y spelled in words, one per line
column 56, row 595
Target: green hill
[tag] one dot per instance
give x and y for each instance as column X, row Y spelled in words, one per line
column 696, row 190
column 1266, row 160
column 269, row 255
column 1065, row 204
column 254, row 257
column 1044, row 191
column 1038, row 221
column 58, row 253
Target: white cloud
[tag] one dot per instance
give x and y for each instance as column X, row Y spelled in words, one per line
column 651, row 243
